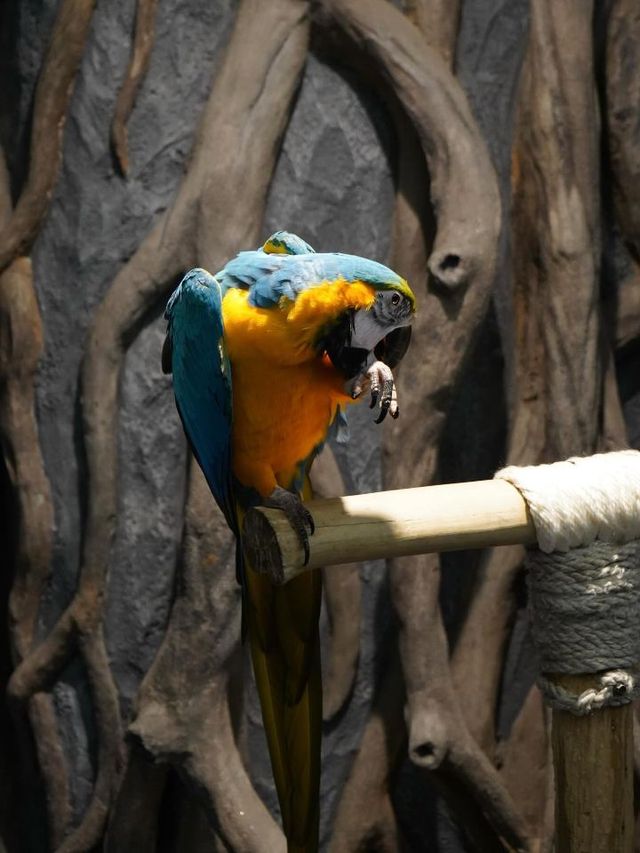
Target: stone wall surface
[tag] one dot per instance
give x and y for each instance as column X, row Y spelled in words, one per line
column 334, row 185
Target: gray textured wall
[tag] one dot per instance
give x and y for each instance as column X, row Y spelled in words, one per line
column 334, row 185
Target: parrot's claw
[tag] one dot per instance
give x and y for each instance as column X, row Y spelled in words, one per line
column 383, row 389
column 298, row 515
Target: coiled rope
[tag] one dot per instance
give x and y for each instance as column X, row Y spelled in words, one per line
column 584, row 576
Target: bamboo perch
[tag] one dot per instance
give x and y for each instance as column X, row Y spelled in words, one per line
column 593, row 756
column 390, row 524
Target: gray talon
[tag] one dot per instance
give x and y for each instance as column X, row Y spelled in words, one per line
column 309, row 521
column 297, row 514
column 387, row 393
column 382, row 389
column 382, row 415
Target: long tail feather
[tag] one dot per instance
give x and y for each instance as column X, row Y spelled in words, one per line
column 283, row 632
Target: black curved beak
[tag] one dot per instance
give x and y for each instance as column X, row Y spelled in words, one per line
column 351, row 361
column 393, row 347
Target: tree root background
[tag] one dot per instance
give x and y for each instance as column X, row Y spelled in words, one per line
column 489, row 151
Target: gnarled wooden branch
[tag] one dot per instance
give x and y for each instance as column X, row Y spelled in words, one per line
column 439, row 739
column 438, row 21
column 109, row 737
column 134, row 819
column 465, row 245
column 437, row 734
column 627, row 310
column 445, row 330
column 623, row 126
column 529, row 746
column 371, row 776
column 483, row 640
column 180, row 240
column 198, row 229
column 21, row 343
column 262, row 68
column 384, row 739
column 53, row 93
column 558, row 352
column 183, row 715
column 137, row 68
column 20, row 350
column 342, row 593
column 560, row 146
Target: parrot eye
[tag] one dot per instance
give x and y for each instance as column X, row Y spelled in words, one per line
column 395, row 299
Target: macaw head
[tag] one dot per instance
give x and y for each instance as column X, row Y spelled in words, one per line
column 381, row 330
column 353, row 309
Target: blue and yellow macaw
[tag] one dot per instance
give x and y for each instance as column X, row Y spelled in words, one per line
column 265, row 355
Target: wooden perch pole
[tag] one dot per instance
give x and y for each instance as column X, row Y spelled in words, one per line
column 593, row 754
column 593, row 765
column 390, row 524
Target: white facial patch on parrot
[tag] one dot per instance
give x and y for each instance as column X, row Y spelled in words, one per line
column 367, row 331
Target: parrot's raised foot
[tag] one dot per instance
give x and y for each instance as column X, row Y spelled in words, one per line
column 383, row 389
column 299, row 516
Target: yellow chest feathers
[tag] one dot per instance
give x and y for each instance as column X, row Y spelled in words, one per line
column 284, row 395
column 286, row 334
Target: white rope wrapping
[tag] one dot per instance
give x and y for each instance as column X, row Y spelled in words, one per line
column 582, row 499
column 584, row 583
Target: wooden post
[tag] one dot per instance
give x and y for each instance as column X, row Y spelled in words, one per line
column 593, row 755
column 593, row 764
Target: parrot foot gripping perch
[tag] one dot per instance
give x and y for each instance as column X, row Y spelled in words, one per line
column 298, row 515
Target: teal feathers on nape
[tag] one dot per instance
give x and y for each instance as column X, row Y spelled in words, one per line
column 285, row 243
column 194, row 352
column 270, row 277
column 256, row 262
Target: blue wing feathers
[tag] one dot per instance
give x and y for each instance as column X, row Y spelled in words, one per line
column 202, row 380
